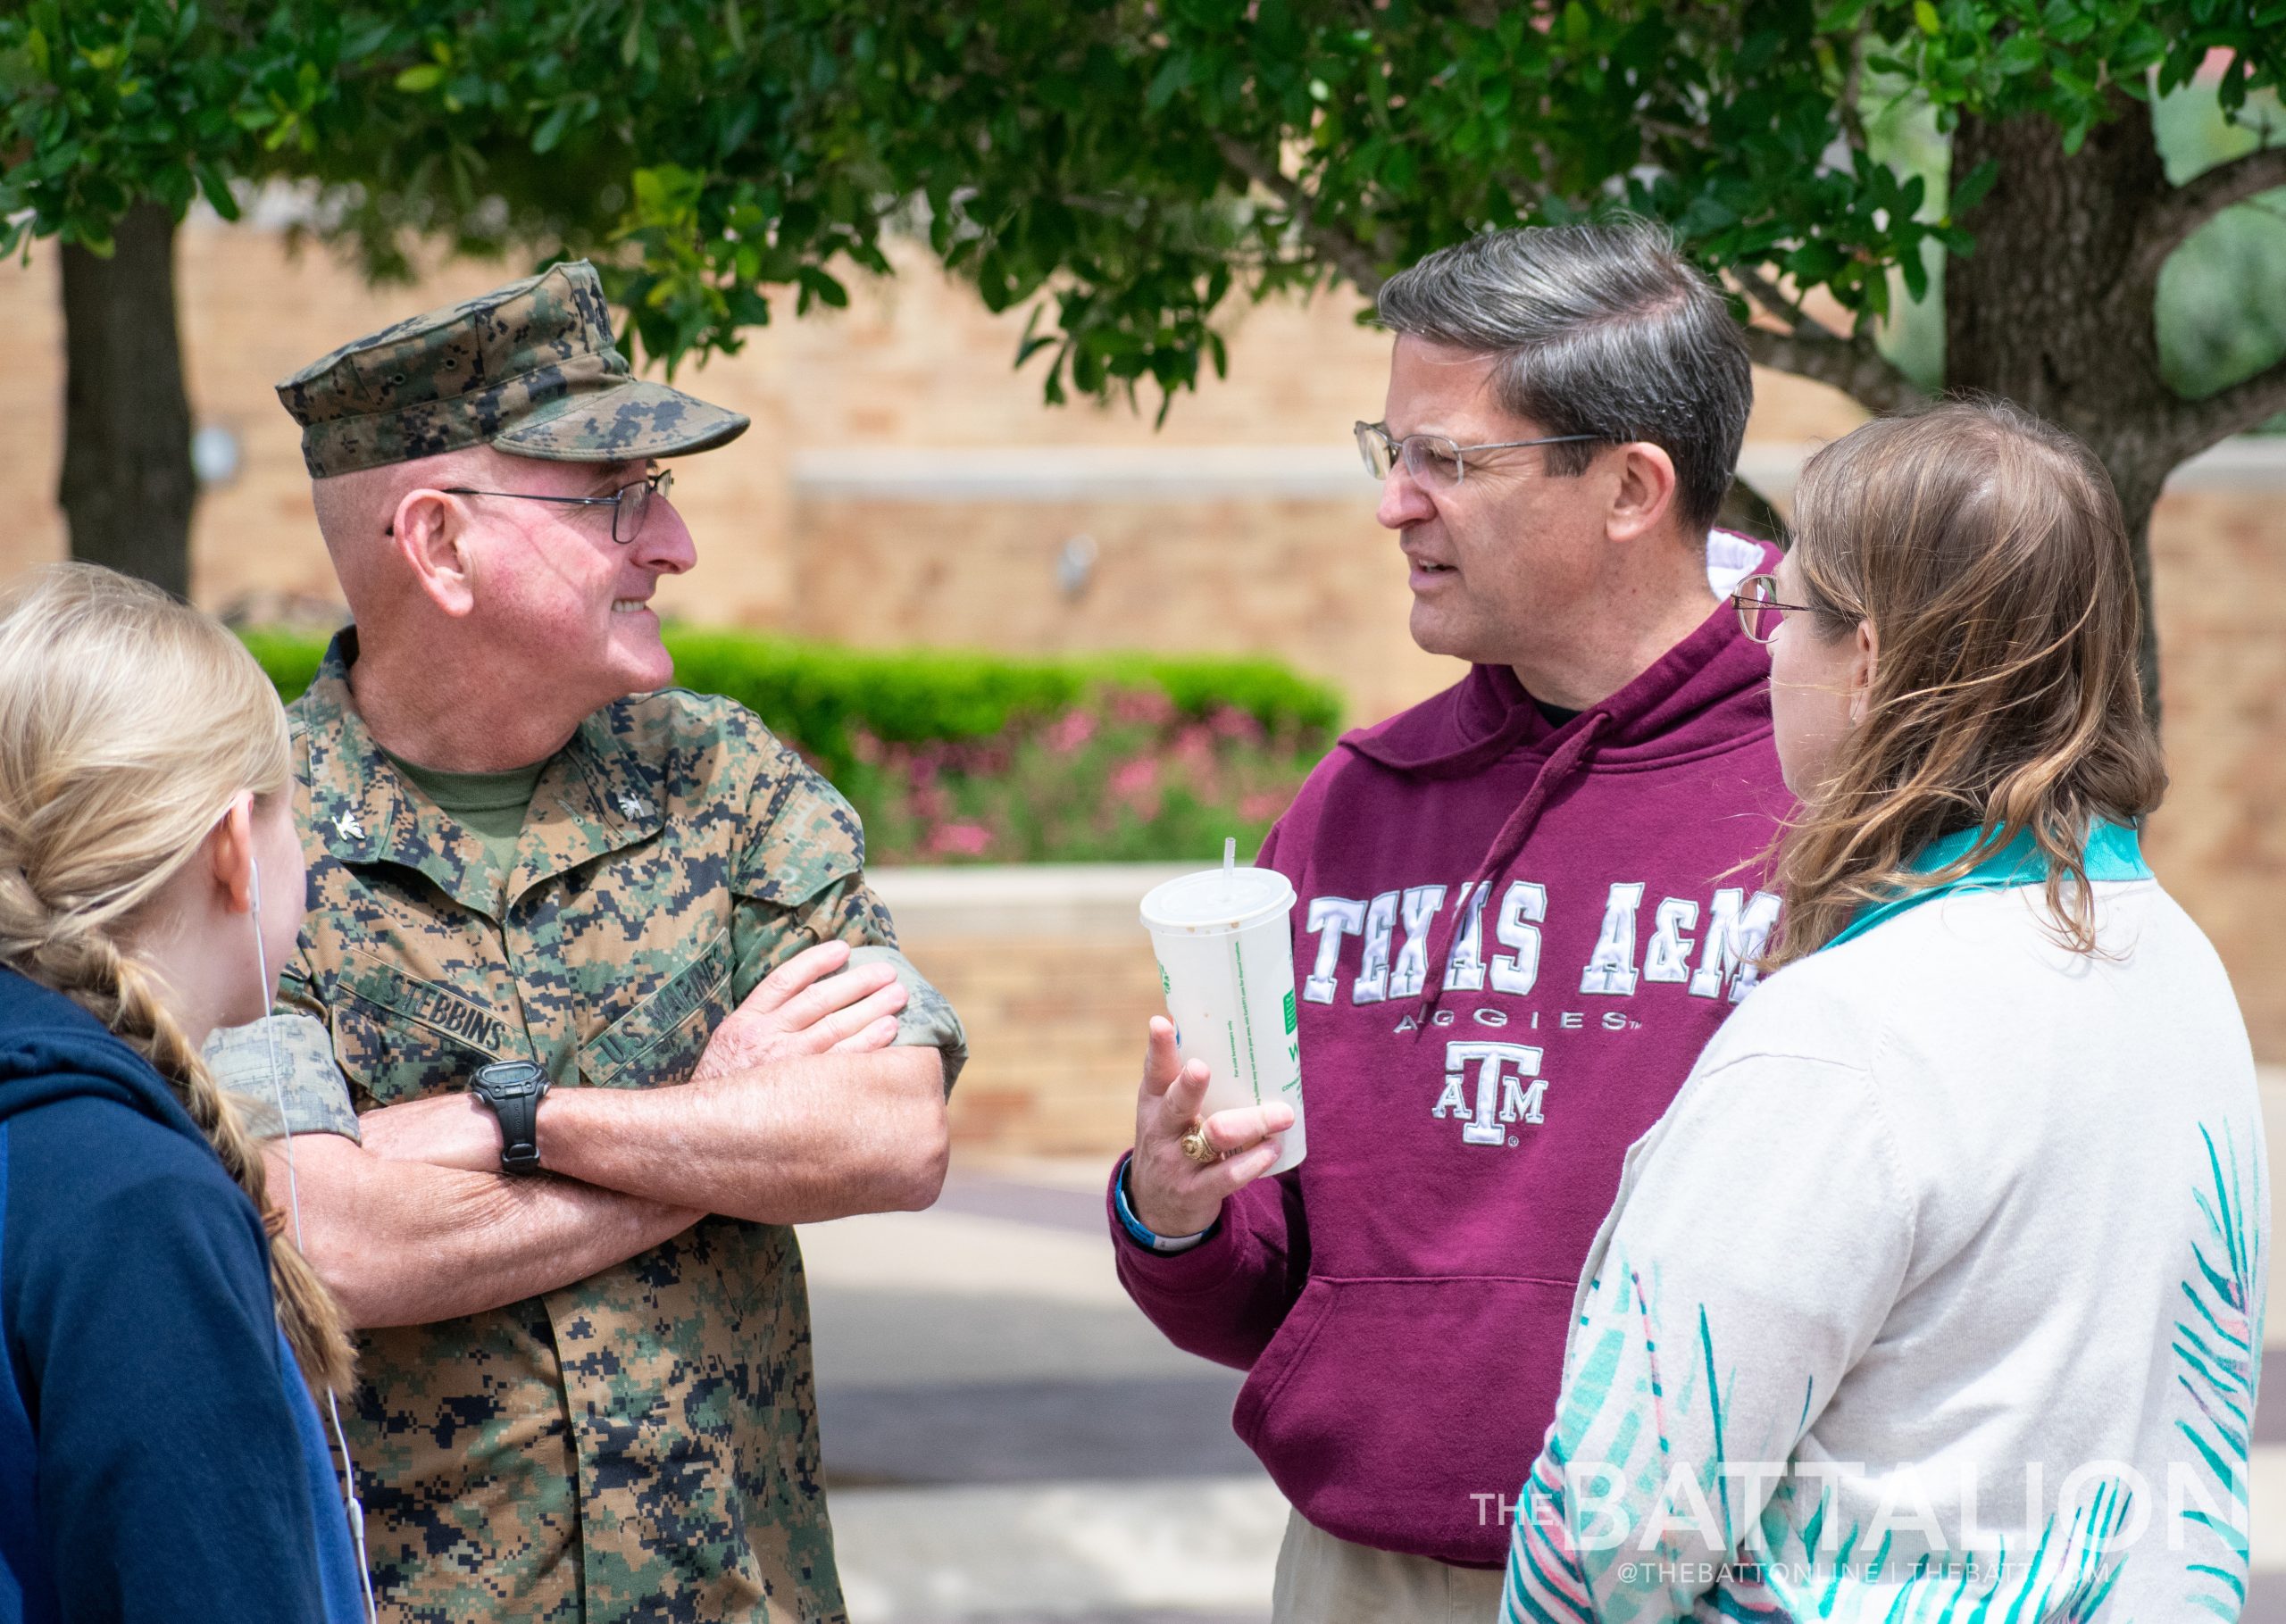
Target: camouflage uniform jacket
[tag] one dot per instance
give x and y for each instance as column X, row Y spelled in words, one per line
column 644, row 1444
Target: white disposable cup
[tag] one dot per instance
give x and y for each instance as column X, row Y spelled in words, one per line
column 1225, row 947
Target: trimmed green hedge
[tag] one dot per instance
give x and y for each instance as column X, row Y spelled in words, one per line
column 290, row 658
column 817, row 694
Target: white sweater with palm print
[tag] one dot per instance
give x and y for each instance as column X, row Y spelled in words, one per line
column 1936, row 1295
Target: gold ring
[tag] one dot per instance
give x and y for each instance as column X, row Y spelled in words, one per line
column 1198, row 1148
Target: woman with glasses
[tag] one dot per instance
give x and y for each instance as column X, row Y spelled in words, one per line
column 1937, row 1291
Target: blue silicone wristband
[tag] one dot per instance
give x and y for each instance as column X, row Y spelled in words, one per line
column 1166, row 1245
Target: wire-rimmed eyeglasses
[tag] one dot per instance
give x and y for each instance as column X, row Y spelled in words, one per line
column 1433, row 459
column 1760, row 612
column 629, row 504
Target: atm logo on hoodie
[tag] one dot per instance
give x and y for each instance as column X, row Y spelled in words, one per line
column 1492, row 1086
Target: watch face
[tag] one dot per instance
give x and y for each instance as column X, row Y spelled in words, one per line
column 513, row 1081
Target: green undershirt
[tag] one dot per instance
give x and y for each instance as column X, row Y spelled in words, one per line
column 491, row 805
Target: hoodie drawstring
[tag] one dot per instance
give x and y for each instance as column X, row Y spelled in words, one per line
column 1562, row 765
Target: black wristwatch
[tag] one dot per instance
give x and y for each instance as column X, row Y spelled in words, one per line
column 513, row 1088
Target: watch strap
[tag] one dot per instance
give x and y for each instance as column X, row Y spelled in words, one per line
column 519, row 1115
column 513, row 1090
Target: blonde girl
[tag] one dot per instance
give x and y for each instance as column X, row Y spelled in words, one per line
column 161, row 1455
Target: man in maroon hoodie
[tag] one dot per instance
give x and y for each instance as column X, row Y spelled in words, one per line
column 1525, row 905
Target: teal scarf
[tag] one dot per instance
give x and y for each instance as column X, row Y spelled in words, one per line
column 2114, row 853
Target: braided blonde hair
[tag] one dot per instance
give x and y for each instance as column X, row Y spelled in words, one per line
column 129, row 724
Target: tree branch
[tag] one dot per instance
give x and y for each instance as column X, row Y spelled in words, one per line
column 1815, row 351
column 1766, row 293
column 1351, row 257
column 2182, row 209
column 1693, row 135
column 1851, row 365
column 2195, row 425
column 1853, row 123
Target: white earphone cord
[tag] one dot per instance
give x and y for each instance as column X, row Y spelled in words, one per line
column 356, row 1508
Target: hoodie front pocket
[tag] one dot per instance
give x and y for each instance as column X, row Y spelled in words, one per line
column 1405, row 1413
column 1288, row 1352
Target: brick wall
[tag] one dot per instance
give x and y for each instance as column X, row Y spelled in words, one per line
column 2219, row 842
column 1053, row 975
column 1312, row 581
column 903, row 484
column 1059, row 1023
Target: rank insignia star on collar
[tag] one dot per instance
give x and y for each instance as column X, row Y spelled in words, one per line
column 634, row 805
column 347, row 826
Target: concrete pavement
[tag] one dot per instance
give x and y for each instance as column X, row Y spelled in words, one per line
column 1008, row 1439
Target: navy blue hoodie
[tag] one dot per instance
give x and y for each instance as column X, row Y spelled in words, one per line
column 160, row 1457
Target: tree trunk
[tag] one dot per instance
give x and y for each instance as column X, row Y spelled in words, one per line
column 127, row 487
column 2047, row 313
column 2139, row 493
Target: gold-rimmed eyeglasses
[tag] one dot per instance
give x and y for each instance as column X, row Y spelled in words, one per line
column 1759, row 611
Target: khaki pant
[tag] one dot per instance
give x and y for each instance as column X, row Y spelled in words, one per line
column 1325, row 1580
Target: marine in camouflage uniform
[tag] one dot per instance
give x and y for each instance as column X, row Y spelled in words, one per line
column 642, row 1443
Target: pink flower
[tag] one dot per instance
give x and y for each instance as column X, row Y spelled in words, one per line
column 1146, row 705
column 959, row 840
column 1071, row 730
column 1263, row 803
column 1229, row 721
column 1134, row 786
column 1134, row 778
column 1193, row 747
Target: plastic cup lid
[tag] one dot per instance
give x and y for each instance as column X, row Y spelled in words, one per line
column 1218, row 900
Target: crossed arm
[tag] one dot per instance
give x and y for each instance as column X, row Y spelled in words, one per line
column 799, row 1112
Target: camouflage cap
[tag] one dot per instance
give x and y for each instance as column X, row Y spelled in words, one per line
column 529, row 368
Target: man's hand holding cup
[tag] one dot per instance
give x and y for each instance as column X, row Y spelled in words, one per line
column 1171, row 1192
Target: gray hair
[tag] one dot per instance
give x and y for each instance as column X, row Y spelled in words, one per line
column 1602, row 329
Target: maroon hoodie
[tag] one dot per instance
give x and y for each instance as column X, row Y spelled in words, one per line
column 1513, row 939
